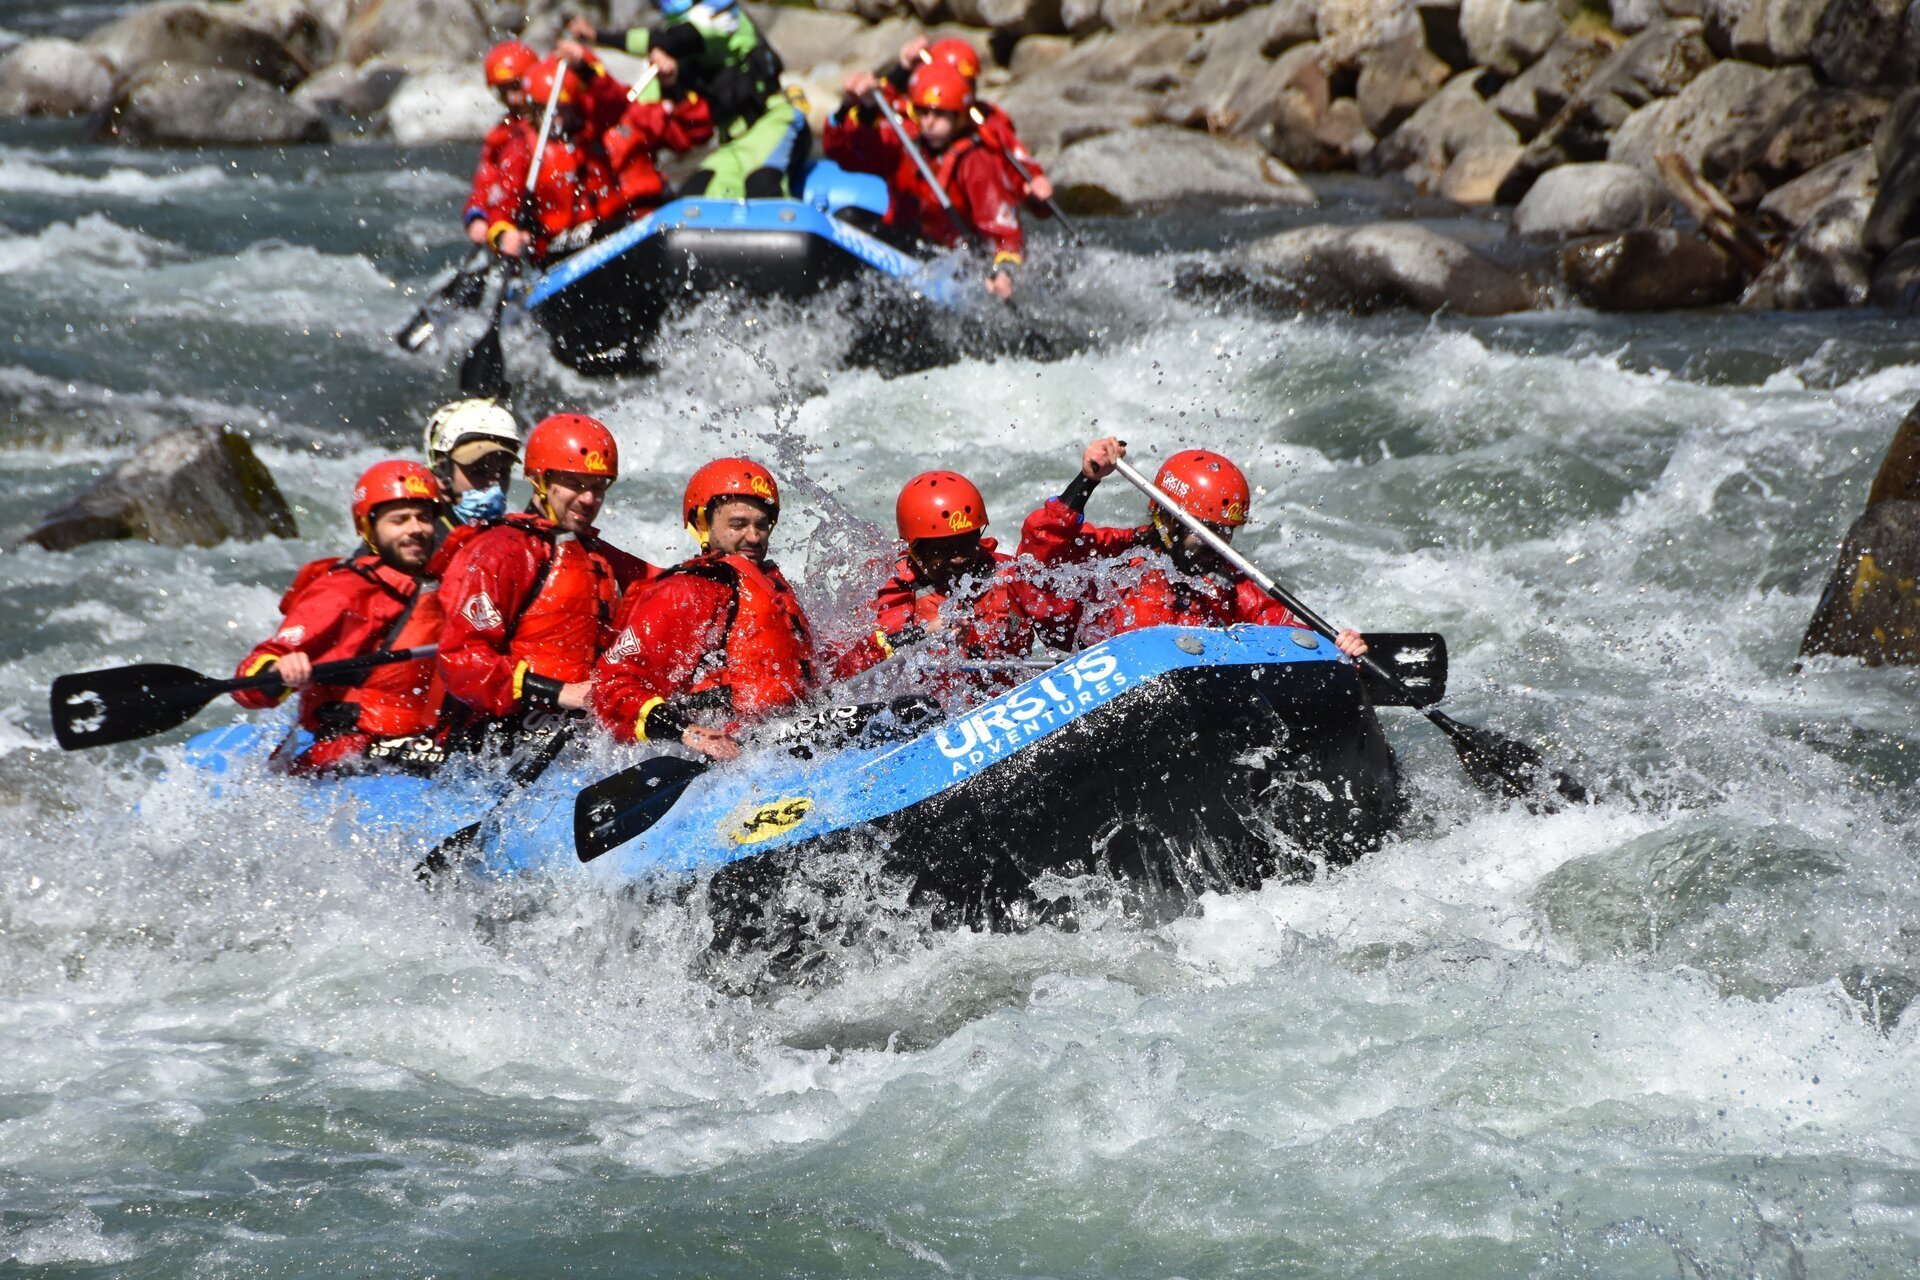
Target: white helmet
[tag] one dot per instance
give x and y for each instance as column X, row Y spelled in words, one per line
column 471, row 421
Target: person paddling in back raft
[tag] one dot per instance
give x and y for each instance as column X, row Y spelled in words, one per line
column 352, row 607
column 529, row 600
column 953, row 595
column 720, row 640
column 1171, row 576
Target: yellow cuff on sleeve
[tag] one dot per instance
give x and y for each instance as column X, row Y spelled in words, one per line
column 497, row 229
column 640, row 723
column 1006, row 259
column 519, row 678
column 880, row 638
column 259, row 665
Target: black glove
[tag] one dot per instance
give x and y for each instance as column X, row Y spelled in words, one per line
column 1076, row 494
column 540, row 691
column 671, row 718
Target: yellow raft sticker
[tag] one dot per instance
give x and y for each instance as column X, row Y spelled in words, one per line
column 764, row 822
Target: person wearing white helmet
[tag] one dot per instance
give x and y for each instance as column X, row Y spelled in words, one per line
column 472, row 446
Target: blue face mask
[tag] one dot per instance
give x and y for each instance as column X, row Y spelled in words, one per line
column 477, row 505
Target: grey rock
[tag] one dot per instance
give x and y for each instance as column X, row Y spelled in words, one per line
column 1035, row 54
column 1366, row 269
column 1476, row 174
column 1848, row 176
column 1589, row 199
column 451, row 105
column 361, row 92
column 1162, row 165
column 52, row 77
column 1725, row 101
column 1650, row 269
column 195, row 35
column 1288, row 23
column 1657, row 63
column 1896, row 146
column 1235, row 88
column 1348, row 30
column 1509, row 35
column 1824, row 264
column 1395, row 80
column 205, row 106
column 195, row 487
column 1864, row 42
column 454, row 30
column 1870, row 609
column 1316, row 140
column 1451, row 123
column 310, row 29
column 806, row 37
column 1630, row 16
column 1009, row 17
column 1896, row 281
column 1090, row 90
column 1785, row 139
column 1544, row 89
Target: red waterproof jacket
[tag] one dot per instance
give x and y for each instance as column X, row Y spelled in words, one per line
column 642, row 130
column 496, row 191
column 576, row 190
column 985, row 194
column 717, row 625
column 1144, row 590
column 997, row 622
column 340, row 609
column 997, row 131
column 522, row 598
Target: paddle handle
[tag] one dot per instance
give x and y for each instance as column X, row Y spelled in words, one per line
column 346, row 671
column 1224, row 549
column 920, row 162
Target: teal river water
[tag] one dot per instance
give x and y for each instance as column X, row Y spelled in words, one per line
column 1666, row 1034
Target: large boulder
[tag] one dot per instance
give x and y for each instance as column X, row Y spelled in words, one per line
column 195, row 487
column 1896, row 281
column 1161, row 165
column 311, row 28
column 1657, row 63
column 1009, row 17
column 1288, row 23
column 52, row 77
column 1650, row 269
column 1851, row 176
column 1729, row 101
column 1871, row 606
column 359, row 93
column 455, row 30
column 1823, row 265
column 450, row 105
column 1896, row 147
column 1236, row 88
column 1864, row 42
column 196, row 35
column 1782, row 139
column 1395, row 80
column 1589, row 199
column 1365, row 269
column 1349, row 30
column 1097, row 87
column 1449, row 125
column 1777, row 32
column 1508, row 35
column 1543, row 90
column 806, row 37
column 209, row 107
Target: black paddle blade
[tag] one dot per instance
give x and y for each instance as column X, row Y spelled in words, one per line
column 99, row 708
column 418, row 330
column 466, row 289
column 452, row 851
column 1504, row 766
column 614, row 810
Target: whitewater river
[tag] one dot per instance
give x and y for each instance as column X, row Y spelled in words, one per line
column 1665, row 1034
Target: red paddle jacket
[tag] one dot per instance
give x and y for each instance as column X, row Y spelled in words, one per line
column 1144, row 590
column 496, row 190
column 520, row 598
column 642, row 130
column 996, row 621
column 340, row 609
column 575, row 192
column 723, row 638
column 985, row 195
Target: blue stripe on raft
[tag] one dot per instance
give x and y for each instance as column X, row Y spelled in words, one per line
column 932, row 279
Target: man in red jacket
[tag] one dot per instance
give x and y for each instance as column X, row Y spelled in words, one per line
column 1170, row 576
column 529, row 600
column 974, row 178
column 350, row 608
column 956, row 597
column 575, row 190
column 494, row 186
column 718, row 641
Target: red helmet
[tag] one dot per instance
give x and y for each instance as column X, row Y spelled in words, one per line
column 540, row 80
column 726, row 478
column 572, row 442
column 508, row 63
column 1206, row 486
column 395, row 480
column 938, row 87
column 953, row 52
column 939, row 504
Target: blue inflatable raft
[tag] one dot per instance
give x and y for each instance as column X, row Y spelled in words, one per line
column 1180, row 760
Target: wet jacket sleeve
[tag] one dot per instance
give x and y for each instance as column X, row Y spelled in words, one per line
column 1057, row 534
column 669, row 628
column 1251, row 604
column 487, row 584
column 499, row 181
column 900, row 615
column 982, row 195
column 323, row 621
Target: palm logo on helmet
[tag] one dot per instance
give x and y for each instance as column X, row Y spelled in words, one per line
column 938, row 87
column 1206, row 486
column 939, row 504
column 573, row 444
column 721, row 479
column 508, row 63
column 395, row 480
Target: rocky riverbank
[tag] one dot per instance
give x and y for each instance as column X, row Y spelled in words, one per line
column 1650, row 153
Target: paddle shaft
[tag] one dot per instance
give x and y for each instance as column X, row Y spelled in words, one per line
column 540, row 147
column 346, row 671
column 920, row 162
column 1026, row 174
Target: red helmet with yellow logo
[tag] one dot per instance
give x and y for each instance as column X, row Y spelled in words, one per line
column 939, row 504
column 954, row 52
column 572, row 442
column 726, row 478
column 938, row 87
column 508, row 63
column 1206, row 486
column 395, row 480
column 541, row 77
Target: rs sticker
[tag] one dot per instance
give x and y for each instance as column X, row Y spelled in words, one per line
column 766, row 821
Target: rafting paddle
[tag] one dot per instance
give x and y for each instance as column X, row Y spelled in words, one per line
column 1026, row 175
column 919, row 159
column 99, row 708
column 1497, row 764
column 462, row 291
column 475, row 836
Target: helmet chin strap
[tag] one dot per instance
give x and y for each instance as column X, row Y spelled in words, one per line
column 540, row 497
column 1163, row 527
